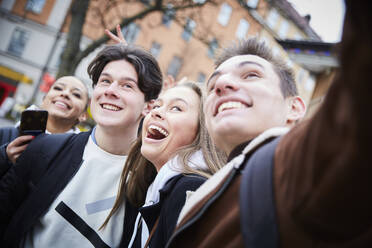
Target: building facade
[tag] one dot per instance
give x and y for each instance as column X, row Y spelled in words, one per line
column 185, row 43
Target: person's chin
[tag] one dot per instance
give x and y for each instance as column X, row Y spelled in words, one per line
column 232, row 131
column 57, row 114
column 229, row 125
column 149, row 152
column 108, row 123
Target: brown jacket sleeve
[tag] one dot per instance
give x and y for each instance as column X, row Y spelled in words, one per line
column 323, row 167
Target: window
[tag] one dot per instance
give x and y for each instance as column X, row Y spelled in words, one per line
column 275, row 51
column 18, row 41
column 35, row 6
column 283, row 30
column 131, row 32
column 265, row 40
column 300, row 76
column 59, row 57
column 290, row 63
column 297, row 36
column 189, row 28
column 168, row 15
column 201, row 77
column 146, row 2
column 155, row 49
column 213, row 45
column 272, row 18
column 174, row 66
column 252, row 3
column 225, row 13
column 310, row 83
column 242, row 29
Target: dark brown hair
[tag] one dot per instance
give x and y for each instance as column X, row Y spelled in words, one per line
column 254, row 47
column 146, row 66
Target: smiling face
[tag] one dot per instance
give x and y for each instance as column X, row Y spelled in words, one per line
column 117, row 102
column 66, row 100
column 243, row 100
column 171, row 124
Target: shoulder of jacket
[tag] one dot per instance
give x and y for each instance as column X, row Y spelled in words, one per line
column 57, row 140
column 263, row 137
column 182, row 181
column 206, row 188
column 7, row 134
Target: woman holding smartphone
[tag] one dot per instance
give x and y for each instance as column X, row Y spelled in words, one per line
column 66, row 103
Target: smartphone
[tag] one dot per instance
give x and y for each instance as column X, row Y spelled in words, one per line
column 33, row 122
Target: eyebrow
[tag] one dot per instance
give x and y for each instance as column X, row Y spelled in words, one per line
column 250, row 62
column 179, row 99
column 172, row 100
column 243, row 63
column 64, row 84
column 123, row 78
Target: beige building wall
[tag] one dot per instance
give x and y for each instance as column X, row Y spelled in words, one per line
column 194, row 53
column 323, row 83
column 19, row 8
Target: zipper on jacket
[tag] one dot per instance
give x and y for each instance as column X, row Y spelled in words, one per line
column 205, row 207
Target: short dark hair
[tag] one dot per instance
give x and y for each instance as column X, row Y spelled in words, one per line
column 254, row 47
column 147, row 68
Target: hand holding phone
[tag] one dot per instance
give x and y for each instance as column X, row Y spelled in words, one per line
column 17, row 146
column 33, row 122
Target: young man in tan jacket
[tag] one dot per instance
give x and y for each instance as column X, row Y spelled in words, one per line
column 308, row 188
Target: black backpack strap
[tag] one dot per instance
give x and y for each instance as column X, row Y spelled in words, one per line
column 257, row 210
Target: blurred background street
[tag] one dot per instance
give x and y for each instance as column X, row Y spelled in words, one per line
column 5, row 122
column 184, row 36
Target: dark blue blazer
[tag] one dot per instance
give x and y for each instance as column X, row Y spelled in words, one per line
column 7, row 135
column 39, row 175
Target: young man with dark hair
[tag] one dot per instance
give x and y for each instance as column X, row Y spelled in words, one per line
column 308, row 187
column 62, row 187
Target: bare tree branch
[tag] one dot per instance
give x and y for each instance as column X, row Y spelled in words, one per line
column 103, row 39
column 78, row 11
column 72, row 55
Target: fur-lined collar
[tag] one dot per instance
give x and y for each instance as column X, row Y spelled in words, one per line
column 211, row 183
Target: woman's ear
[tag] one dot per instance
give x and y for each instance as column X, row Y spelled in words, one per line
column 297, row 110
column 147, row 108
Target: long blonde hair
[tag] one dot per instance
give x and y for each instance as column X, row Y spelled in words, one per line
column 139, row 173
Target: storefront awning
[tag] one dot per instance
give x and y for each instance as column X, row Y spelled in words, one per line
column 16, row 76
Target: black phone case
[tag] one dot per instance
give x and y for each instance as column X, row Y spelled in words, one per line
column 33, row 122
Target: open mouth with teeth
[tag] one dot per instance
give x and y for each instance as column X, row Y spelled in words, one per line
column 157, row 133
column 110, row 107
column 62, row 105
column 231, row 105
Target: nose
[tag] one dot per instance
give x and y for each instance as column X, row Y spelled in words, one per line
column 157, row 113
column 224, row 84
column 65, row 93
column 111, row 90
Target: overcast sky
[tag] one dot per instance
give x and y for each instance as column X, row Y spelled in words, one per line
column 326, row 16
